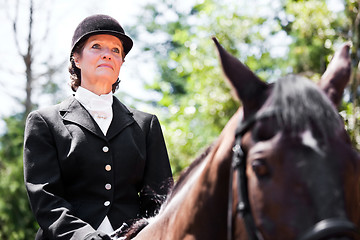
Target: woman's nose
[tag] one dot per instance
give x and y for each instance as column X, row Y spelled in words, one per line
column 106, row 54
column 106, row 57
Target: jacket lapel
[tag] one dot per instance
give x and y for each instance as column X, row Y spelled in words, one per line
column 122, row 117
column 71, row 110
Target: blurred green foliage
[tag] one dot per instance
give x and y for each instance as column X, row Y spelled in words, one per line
column 271, row 39
column 16, row 219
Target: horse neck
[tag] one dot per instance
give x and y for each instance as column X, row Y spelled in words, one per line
column 202, row 211
column 198, row 208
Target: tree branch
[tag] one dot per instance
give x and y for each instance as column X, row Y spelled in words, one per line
column 14, row 22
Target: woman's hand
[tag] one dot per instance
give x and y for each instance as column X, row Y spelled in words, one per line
column 97, row 236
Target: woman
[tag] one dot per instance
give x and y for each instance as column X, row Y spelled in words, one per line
column 91, row 163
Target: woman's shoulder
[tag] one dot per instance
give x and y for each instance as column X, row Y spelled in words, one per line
column 142, row 114
column 137, row 114
column 51, row 111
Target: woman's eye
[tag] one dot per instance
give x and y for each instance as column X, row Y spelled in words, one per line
column 116, row 50
column 96, row 46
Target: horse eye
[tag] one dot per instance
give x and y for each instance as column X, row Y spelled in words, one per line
column 260, row 168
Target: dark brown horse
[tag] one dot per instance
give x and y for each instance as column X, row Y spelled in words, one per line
column 298, row 174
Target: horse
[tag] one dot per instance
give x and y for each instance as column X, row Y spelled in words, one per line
column 282, row 168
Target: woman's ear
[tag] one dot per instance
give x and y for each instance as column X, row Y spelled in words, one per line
column 76, row 58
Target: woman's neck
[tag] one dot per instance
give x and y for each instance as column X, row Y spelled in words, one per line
column 98, row 89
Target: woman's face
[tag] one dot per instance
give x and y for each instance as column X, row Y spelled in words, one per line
column 100, row 63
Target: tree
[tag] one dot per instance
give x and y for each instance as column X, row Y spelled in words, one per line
column 195, row 100
column 351, row 111
column 16, row 219
column 316, row 32
column 30, row 23
column 284, row 37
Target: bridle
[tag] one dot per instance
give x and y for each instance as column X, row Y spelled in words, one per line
column 322, row 230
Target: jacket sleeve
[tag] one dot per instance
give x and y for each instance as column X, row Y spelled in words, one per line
column 44, row 186
column 158, row 177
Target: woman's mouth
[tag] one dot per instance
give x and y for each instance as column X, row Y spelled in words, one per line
column 106, row 66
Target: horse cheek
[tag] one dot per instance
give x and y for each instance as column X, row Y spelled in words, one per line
column 256, row 198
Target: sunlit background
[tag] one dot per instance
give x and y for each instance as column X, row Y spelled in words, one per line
column 53, row 25
column 172, row 70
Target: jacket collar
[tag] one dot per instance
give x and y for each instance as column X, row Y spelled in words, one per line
column 71, row 110
column 122, row 117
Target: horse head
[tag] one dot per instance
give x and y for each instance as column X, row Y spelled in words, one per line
column 301, row 173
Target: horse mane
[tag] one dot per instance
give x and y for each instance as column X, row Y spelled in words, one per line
column 301, row 105
column 133, row 230
column 184, row 175
column 138, row 225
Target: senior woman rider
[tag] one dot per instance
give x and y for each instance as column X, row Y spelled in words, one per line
column 90, row 162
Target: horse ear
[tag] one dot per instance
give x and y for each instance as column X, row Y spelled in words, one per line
column 337, row 75
column 249, row 88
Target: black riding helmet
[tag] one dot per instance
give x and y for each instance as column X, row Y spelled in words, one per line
column 100, row 24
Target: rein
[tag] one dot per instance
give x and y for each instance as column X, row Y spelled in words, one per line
column 239, row 164
column 321, row 230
